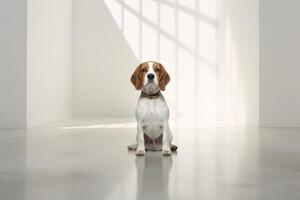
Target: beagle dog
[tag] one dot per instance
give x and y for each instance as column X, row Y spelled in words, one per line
column 152, row 112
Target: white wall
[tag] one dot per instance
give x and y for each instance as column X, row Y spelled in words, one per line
column 110, row 38
column 49, row 61
column 279, row 63
column 239, row 61
column 12, row 63
column 103, row 63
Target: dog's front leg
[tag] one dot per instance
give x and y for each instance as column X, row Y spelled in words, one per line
column 140, row 150
column 167, row 139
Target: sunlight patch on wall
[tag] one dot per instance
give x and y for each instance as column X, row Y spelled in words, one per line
column 188, row 3
column 131, row 30
column 186, row 86
column 187, row 30
column 149, row 43
column 167, row 19
column 184, row 35
column 150, row 11
column 209, row 8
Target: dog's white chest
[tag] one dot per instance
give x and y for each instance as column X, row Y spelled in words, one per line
column 152, row 113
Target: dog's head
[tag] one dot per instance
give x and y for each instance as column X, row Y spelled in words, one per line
column 150, row 77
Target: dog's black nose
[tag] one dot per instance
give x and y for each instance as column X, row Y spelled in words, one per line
column 150, row 76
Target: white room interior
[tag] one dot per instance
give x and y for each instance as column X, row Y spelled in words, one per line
column 67, row 104
column 222, row 73
column 83, row 68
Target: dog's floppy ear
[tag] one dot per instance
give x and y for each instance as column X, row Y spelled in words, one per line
column 136, row 78
column 164, row 78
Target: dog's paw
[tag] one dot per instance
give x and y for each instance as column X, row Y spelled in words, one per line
column 166, row 152
column 140, row 152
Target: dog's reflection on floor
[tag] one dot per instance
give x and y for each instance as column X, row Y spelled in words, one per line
column 153, row 176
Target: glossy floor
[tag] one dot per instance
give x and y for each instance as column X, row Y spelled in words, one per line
column 87, row 159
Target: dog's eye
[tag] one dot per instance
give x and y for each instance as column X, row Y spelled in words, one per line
column 157, row 70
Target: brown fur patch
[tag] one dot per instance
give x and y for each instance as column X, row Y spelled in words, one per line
column 138, row 76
